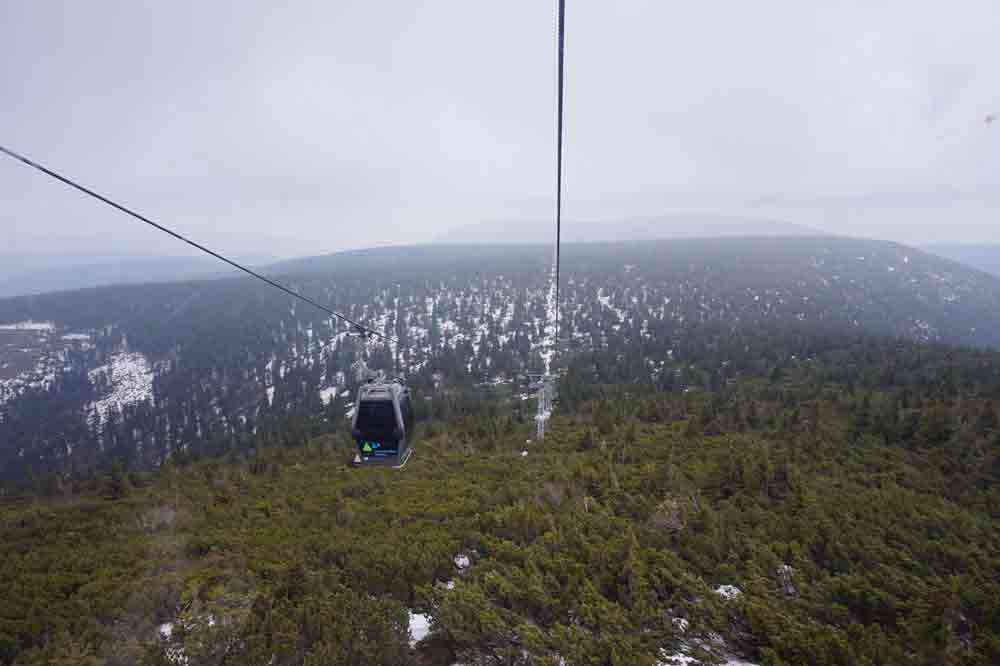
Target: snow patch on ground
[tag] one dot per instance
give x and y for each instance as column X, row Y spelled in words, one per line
column 131, row 378
column 676, row 659
column 44, row 358
column 28, row 325
column 715, row 645
column 420, row 626
column 327, row 395
column 924, row 331
column 682, row 659
column 728, row 592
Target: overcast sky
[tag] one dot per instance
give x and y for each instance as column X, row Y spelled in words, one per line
column 304, row 127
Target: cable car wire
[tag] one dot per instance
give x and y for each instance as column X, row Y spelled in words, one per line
column 361, row 328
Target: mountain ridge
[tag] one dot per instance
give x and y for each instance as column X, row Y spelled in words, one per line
column 149, row 371
column 664, row 227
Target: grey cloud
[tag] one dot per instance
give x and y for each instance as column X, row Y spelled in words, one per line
column 294, row 128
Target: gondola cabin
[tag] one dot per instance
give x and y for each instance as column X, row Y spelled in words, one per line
column 383, row 424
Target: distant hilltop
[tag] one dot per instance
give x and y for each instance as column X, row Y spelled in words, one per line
column 687, row 225
column 48, row 273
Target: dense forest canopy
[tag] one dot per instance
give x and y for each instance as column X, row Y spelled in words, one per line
column 750, row 462
column 789, row 516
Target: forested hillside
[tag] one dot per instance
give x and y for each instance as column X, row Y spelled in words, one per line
column 782, row 498
column 143, row 373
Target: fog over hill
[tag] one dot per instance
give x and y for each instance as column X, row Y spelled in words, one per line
column 984, row 256
column 676, row 226
column 40, row 274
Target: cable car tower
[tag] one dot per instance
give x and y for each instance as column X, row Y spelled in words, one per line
column 545, row 388
column 545, row 383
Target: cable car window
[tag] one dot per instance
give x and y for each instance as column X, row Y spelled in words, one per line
column 376, row 419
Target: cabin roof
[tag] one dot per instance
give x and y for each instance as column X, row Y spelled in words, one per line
column 382, row 391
